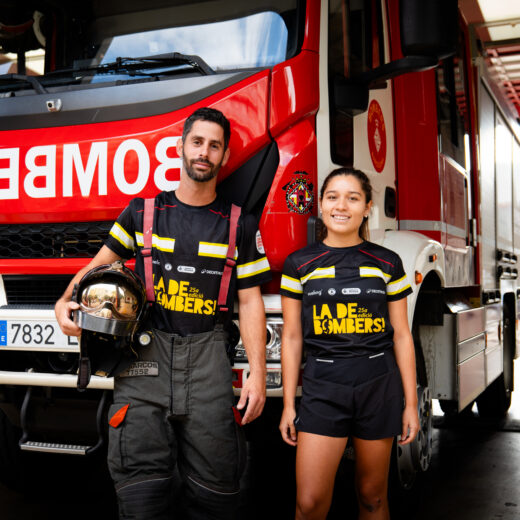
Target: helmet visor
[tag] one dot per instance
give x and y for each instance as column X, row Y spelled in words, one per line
column 109, row 300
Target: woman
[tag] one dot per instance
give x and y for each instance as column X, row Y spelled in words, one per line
column 344, row 298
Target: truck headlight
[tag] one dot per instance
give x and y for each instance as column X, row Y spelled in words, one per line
column 273, row 341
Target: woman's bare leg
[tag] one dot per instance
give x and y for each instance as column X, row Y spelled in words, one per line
column 317, row 461
column 372, row 465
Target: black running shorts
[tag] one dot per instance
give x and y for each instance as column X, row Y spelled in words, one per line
column 361, row 396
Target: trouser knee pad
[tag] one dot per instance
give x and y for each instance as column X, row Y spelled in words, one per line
column 205, row 503
column 146, row 499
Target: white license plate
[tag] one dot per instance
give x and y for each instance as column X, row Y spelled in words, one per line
column 35, row 334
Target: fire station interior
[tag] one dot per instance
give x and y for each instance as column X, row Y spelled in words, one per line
column 473, row 471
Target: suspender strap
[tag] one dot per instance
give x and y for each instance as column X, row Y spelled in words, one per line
column 147, row 249
column 230, row 259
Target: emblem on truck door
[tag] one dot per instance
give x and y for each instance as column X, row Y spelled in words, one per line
column 376, row 130
column 298, row 194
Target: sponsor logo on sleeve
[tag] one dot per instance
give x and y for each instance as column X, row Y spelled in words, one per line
column 259, row 243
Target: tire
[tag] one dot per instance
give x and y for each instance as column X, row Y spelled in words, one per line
column 410, row 463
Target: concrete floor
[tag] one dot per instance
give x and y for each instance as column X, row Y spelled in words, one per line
column 475, row 472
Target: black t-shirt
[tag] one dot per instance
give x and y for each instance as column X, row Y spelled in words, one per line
column 344, row 293
column 189, row 247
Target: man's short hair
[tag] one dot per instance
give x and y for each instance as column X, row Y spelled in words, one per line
column 208, row 114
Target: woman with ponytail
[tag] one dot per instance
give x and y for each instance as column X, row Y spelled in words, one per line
column 344, row 303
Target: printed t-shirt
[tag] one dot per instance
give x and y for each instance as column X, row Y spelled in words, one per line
column 189, row 247
column 344, row 293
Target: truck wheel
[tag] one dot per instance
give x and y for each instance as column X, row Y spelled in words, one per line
column 410, row 463
column 11, row 459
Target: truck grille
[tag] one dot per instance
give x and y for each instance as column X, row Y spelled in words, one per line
column 65, row 240
column 35, row 289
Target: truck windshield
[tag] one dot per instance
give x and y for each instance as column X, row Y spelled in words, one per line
column 258, row 40
column 104, row 44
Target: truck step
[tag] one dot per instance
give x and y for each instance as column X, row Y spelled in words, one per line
column 51, row 447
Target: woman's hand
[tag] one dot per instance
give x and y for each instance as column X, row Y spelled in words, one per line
column 410, row 425
column 287, row 429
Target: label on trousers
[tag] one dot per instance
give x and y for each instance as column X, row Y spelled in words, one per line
column 141, row 368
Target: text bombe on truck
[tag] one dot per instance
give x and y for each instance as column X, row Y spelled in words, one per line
column 93, row 97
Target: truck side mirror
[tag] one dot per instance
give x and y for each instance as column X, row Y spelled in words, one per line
column 429, row 27
column 349, row 96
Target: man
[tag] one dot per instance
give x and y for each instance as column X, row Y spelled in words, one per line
column 182, row 415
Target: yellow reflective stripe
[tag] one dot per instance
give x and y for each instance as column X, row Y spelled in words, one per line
column 374, row 272
column 160, row 243
column 398, row 286
column 122, row 236
column 253, row 268
column 320, row 272
column 214, row 250
column 163, row 243
column 291, row 284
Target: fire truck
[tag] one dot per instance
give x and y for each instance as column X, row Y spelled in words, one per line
column 399, row 89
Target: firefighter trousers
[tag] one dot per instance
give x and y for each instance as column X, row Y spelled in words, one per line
column 173, row 410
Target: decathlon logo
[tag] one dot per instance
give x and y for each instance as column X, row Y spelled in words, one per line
column 185, row 269
column 375, row 291
column 350, row 290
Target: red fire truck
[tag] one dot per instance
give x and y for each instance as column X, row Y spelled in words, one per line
column 398, row 91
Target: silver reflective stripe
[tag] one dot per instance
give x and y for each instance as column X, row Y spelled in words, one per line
column 214, row 490
column 432, row 225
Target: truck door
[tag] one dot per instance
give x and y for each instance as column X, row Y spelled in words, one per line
column 454, row 167
column 357, row 43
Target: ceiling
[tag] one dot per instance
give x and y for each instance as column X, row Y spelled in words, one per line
column 495, row 28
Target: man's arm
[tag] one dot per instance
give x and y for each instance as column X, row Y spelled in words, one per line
column 64, row 306
column 251, row 313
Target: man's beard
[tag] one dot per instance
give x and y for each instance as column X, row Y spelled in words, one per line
column 201, row 176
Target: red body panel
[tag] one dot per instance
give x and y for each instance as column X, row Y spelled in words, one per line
column 141, row 158
column 311, row 40
column 284, row 231
column 294, row 91
column 419, row 194
column 245, row 104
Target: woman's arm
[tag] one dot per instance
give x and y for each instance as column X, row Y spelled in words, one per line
column 292, row 346
column 405, row 357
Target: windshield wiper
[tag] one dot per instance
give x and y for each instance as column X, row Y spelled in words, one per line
column 136, row 66
column 176, row 58
column 21, row 78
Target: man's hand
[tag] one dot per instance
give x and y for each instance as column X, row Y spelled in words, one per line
column 63, row 310
column 253, row 393
column 252, row 329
